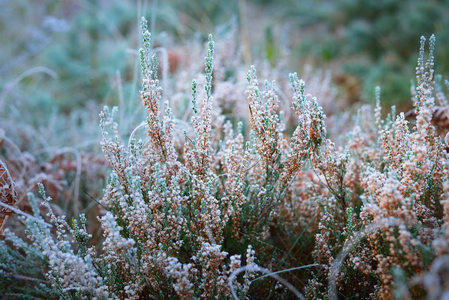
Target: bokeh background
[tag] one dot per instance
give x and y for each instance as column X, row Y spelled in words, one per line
column 85, row 43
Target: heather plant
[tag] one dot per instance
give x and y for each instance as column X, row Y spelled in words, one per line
column 178, row 211
column 215, row 208
column 401, row 189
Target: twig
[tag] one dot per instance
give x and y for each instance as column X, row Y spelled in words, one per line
column 26, row 278
column 19, row 212
column 255, row 268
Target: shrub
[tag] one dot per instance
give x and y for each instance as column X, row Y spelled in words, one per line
column 200, row 216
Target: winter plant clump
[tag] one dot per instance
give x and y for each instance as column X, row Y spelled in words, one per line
column 253, row 208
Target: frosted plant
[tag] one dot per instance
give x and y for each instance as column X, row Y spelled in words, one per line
column 199, row 213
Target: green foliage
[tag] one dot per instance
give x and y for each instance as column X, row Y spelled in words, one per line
column 374, row 40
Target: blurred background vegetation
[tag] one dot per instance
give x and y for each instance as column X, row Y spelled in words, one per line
column 62, row 61
column 89, row 45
